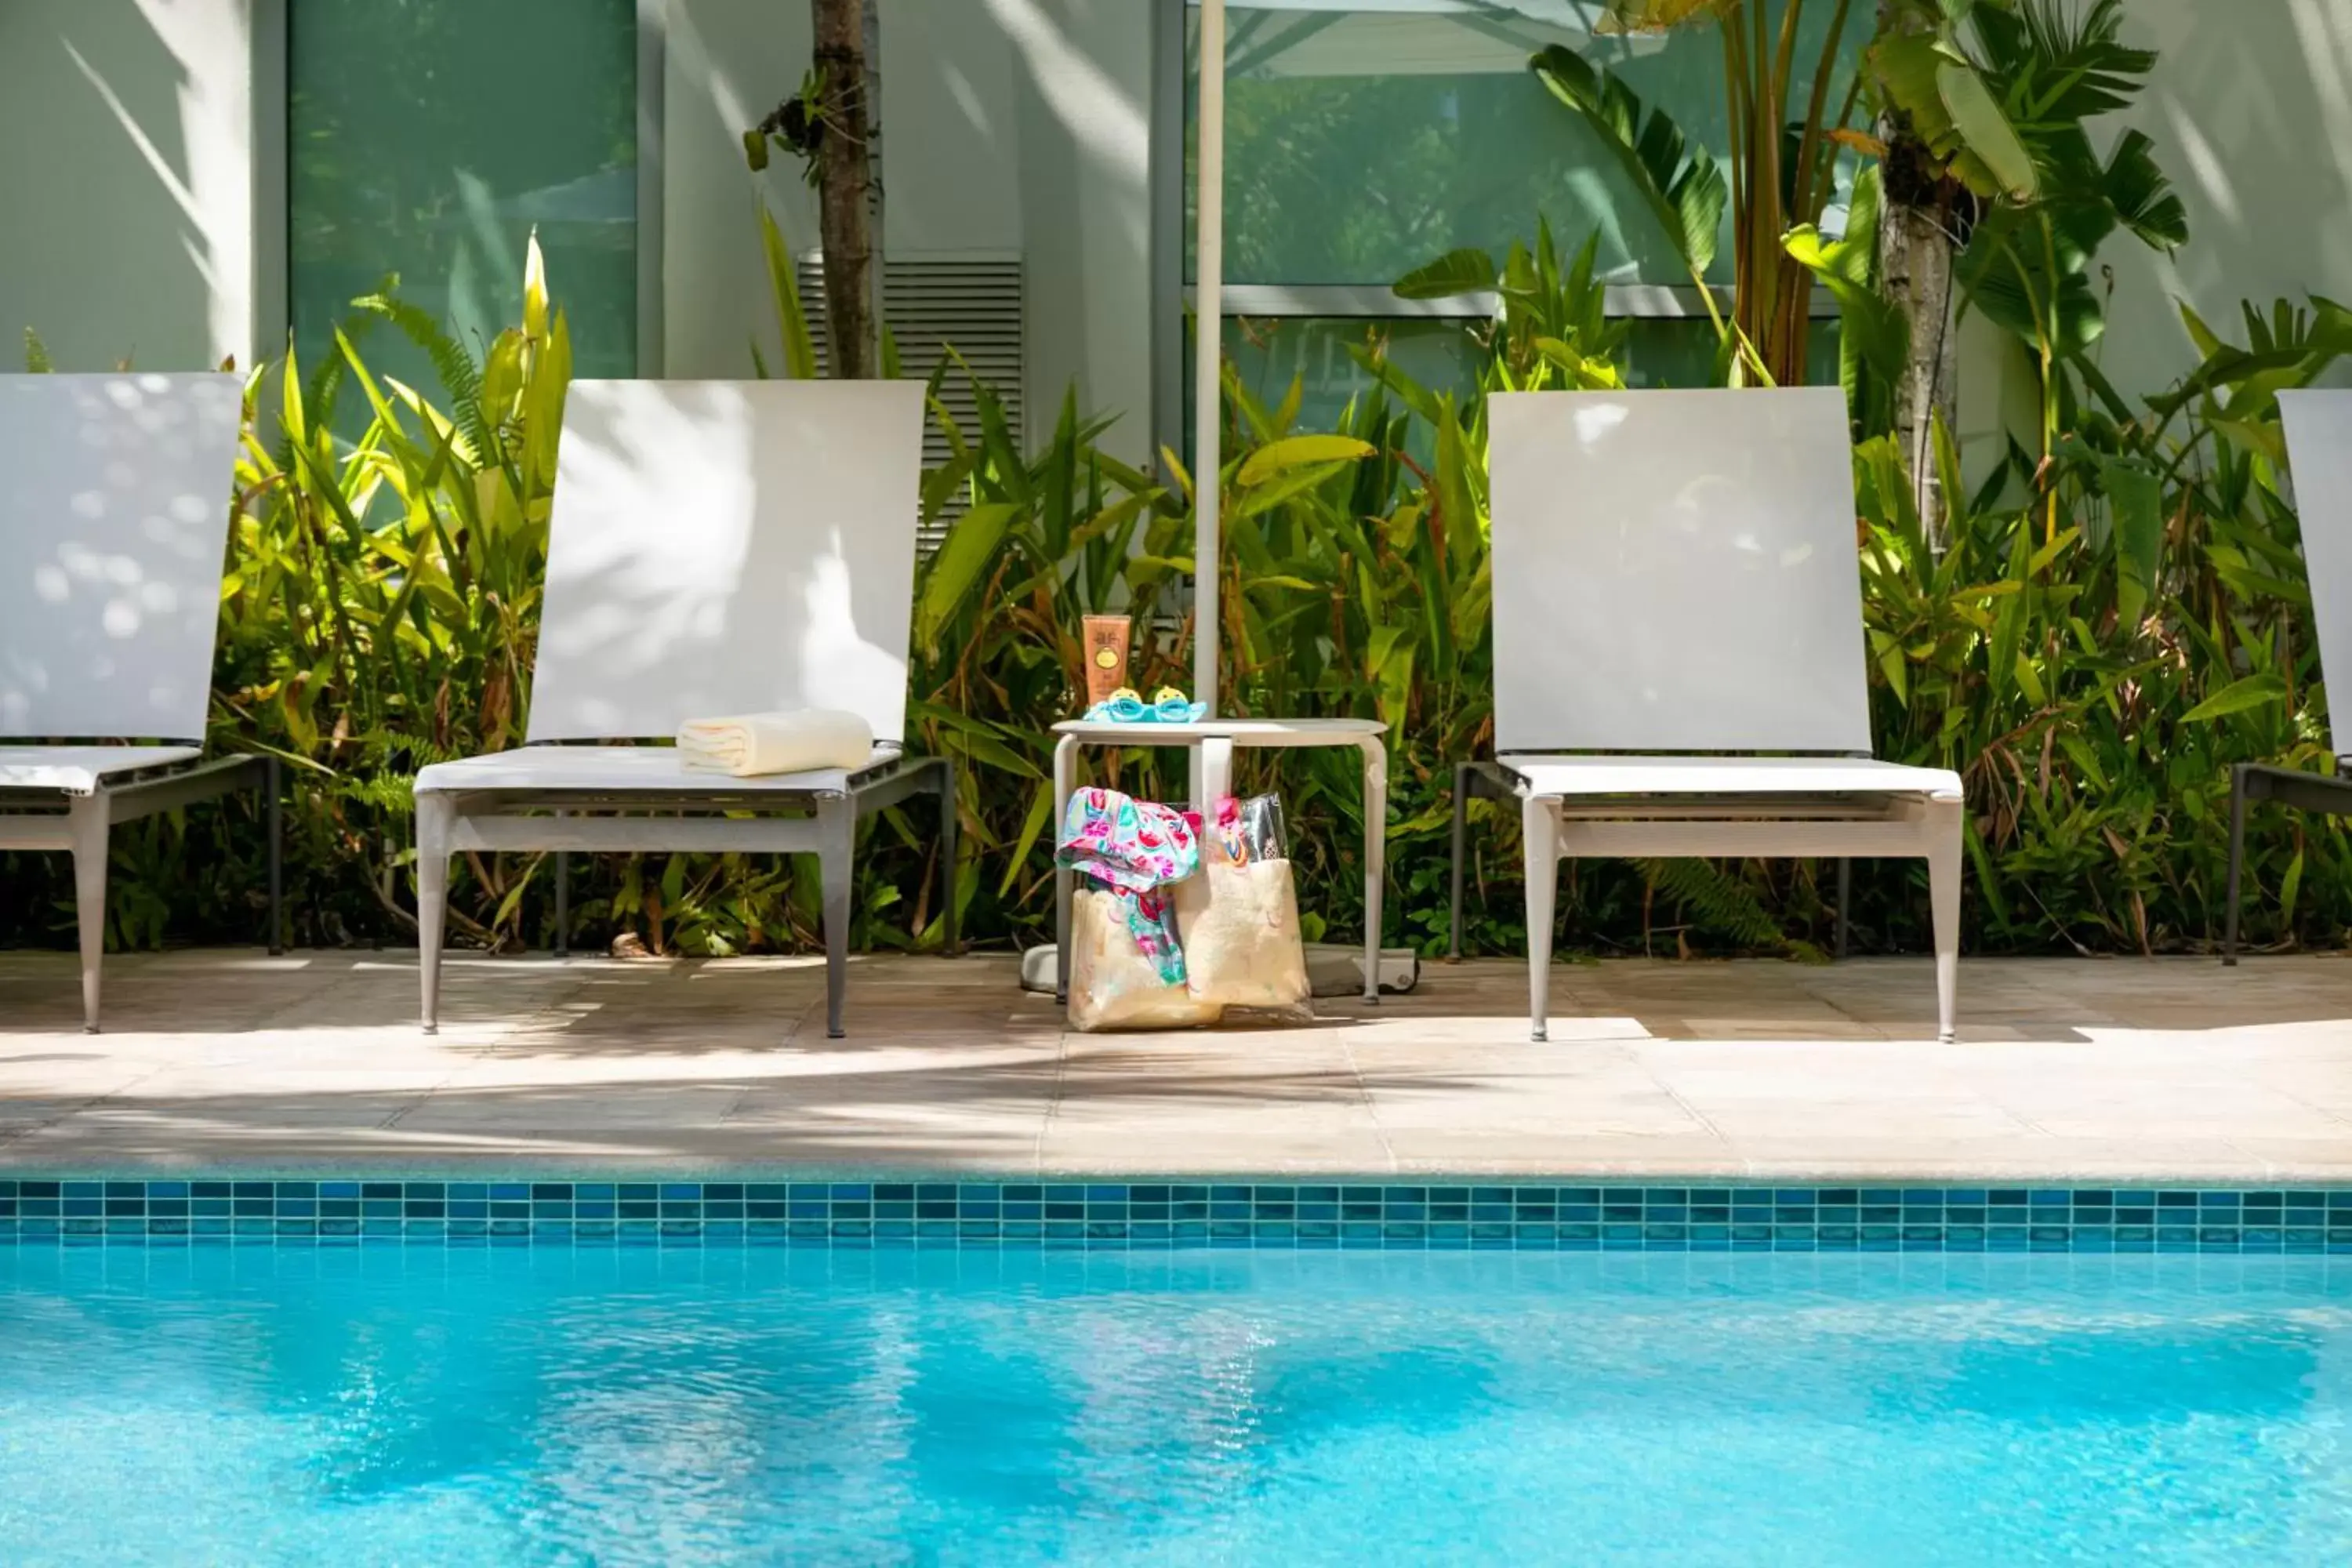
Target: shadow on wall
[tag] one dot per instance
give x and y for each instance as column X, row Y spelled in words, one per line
column 130, row 231
column 720, row 547
column 2251, row 108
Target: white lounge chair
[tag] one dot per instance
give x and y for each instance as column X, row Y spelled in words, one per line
column 113, row 523
column 1676, row 580
column 716, row 547
column 2319, row 453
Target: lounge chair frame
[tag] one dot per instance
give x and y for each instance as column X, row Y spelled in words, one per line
column 1665, row 751
column 734, row 817
column 2328, row 795
column 82, row 825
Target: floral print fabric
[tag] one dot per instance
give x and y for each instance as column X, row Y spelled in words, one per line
column 1136, row 849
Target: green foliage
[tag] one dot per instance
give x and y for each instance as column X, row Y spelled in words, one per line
column 1677, row 177
column 2093, row 684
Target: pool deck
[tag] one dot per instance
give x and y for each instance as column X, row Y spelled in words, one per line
column 2116, row 1071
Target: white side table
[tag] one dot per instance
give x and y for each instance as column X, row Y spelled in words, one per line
column 1211, row 744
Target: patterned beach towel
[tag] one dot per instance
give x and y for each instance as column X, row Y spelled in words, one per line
column 1135, row 848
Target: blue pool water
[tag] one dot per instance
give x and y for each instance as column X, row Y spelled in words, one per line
column 543, row 1406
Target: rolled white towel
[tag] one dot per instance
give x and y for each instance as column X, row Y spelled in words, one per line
column 793, row 743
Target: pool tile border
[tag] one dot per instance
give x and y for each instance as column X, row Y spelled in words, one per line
column 1168, row 1214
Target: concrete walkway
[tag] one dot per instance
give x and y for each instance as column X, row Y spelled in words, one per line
column 2115, row 1072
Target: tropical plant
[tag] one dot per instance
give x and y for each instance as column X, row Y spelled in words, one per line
column 380, row 607
column 2008, row 116
column 1551, row 327
column 1783, row 156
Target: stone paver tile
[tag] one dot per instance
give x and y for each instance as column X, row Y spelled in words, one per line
column 1982, row 1160
column 1332, row 1140
column 2318, row 1160
column 1469, row 1153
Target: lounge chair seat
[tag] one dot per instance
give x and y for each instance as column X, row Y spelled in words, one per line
column 1582, row 777
column 84, row 770
column 621, row 770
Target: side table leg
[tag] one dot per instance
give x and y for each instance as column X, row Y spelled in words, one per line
column 1376, row 840
column 1212, row 766
column 1066, row 754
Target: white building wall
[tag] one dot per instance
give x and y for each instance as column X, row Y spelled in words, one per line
column 128, row 180
column 1009, row 128
column 2251, row 108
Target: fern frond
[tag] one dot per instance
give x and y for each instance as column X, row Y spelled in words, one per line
column 1717, row 901
column 460, row 374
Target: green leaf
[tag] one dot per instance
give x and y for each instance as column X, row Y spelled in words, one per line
column 783, row 282
column 1981, row 127
column 2135, row 500
column 1469, row 271
column 2253, row 692
column 2142, row 198
column 1275, row 457
column 1676, row 178
column 1041, row 808
column 959, row 564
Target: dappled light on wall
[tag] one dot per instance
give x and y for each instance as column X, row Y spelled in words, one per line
column 112, row 530
column 728, row 547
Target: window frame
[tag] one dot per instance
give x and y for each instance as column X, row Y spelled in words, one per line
column 1172, row 297
column 271, row 97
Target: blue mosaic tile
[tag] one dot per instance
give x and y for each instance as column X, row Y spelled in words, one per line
column 73, row 1211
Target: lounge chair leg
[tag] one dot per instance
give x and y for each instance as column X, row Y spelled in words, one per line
column 1944, row 897
column 434, row 815
column 1845, row 901
column 948, row 877
column 89, row 820
column 2237, row 864
column 1542, row 831
column 1462, row 775
column 1376, row 850
column 838, row 831
column 276, row 786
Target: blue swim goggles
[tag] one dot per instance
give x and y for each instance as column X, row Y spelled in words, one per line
column 1167, row 706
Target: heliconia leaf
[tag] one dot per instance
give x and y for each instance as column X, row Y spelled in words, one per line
column 534, row 289
column 972, row 544
column 2253, row 692
column 1985, row 130
column 783, row 282
column 1469, row 271
column 2136, row 501
column 1277, row 457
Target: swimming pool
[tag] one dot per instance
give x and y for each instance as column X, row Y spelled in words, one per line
column 723, row 1404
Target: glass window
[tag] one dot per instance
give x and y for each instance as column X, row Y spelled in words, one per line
column 1364, row 140
column 427, row 138
column 1443, row 355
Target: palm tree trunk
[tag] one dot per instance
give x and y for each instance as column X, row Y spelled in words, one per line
column 1915, row 270
column 1915, row 250
column 845, row 178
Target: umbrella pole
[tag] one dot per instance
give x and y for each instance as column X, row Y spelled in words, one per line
column 1208, row 331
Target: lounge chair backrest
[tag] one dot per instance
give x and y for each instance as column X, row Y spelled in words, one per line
column 721, row 547
column 2319, row 457
column 1676, row 571
column 114, row 506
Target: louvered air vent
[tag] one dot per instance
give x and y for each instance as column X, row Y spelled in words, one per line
column 972, row 303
